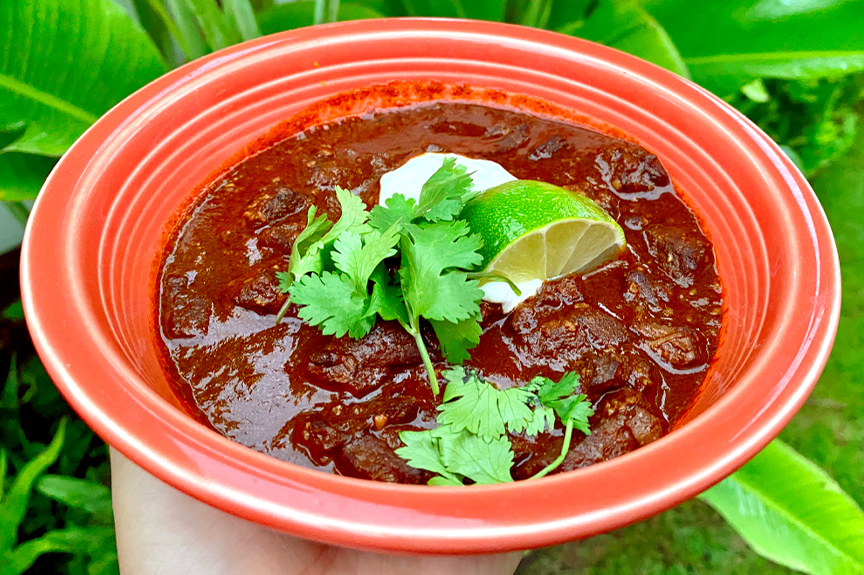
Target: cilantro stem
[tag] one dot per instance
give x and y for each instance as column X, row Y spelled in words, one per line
column 568, row 434
column 283, row 310
column 424, row 353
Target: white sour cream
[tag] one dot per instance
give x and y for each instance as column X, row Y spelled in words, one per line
column 408, row 179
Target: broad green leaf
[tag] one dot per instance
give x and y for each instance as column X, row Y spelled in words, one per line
column 298, row 14
column 792, row 512
column 185, row 30
column 477, row 9
column 152, row 16
column 76, row 540
column 726, row 44
column 219, row 31
column 89, row 496
column 244, row 17
column 22, row 175
column 536, row 13
column 13, row 504
column 626, row 26
column 65, row 63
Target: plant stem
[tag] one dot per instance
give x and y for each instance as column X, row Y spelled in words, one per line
column 283, row 310
column 19, row 210
column 568, row 434
column 424, row 353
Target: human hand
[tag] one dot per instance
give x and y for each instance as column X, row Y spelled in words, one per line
column 161, row 531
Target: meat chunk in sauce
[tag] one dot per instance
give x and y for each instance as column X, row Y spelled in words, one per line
column 640, row 330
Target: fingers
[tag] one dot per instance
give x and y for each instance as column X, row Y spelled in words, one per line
column 161, row 531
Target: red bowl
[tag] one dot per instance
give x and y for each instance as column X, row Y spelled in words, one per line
column 97, row 229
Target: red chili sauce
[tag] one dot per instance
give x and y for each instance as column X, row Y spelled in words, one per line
column 640, row 330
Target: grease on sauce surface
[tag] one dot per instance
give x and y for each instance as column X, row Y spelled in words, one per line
column 640, row 330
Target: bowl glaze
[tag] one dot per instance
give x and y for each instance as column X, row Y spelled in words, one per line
column 98, row 226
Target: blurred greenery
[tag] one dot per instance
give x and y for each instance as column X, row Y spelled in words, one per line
column 792, row 66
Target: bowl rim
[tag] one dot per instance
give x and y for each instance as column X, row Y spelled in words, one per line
column 356, row 512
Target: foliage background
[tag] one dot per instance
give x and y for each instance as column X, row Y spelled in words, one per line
column 793, row 66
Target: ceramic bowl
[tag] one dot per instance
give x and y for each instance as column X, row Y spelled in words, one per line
column 99, row 224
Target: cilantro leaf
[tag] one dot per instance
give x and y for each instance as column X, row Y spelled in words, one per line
column 444, row 193
column 543, row 419
column 386, row 299
column 301, row 262
column 456, row 246
column 513, row 406
column 330, row 301
column 480, row 460
column 421, row 451
column 457, row 338
column 398, row 210
column 472, row 405
column 358, row 257
column 549, row 390
column 456, row 298
column 354, row 216
column 426, row 252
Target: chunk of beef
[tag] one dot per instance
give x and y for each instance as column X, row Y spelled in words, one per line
column 508, row 137
column 273, row 205
column 547, row 149
column 632, row 172
column 646, row 291
column 627, row 421
column 360, row 366
column 188, row 315
column 280, row 237
column 259, row 292
column 318, row 437
column 679, row 254
column 678, row 346
column 369, row 457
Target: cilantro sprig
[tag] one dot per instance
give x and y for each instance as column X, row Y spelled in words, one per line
column 338, row 278
column 471, row 442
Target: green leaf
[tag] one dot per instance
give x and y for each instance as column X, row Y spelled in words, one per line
column 726, row 44
column 480, row 460
column 22, row 175
column 792, row 512
column 359, row 258
column 330, row 300
column 457, row 338
column 89, row 496
column 219, row 31
column 186, row 31
column 76, row 540
column 536, row 13
column 471, row 405
column 14, row 312
column 354, row 216
column 444, row 193
column 477, row 9
column 68, row 62
column 298, row 14
column 301, row 261
column 397, row 209
column 241, row 12
column 624, row 25
column 386, row 299
column 421, row 451
column 14, row 502
column 513, row 405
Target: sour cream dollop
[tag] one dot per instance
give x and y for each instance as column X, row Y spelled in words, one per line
column 408, row 179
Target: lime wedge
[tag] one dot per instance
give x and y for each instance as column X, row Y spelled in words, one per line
column 534, row 230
